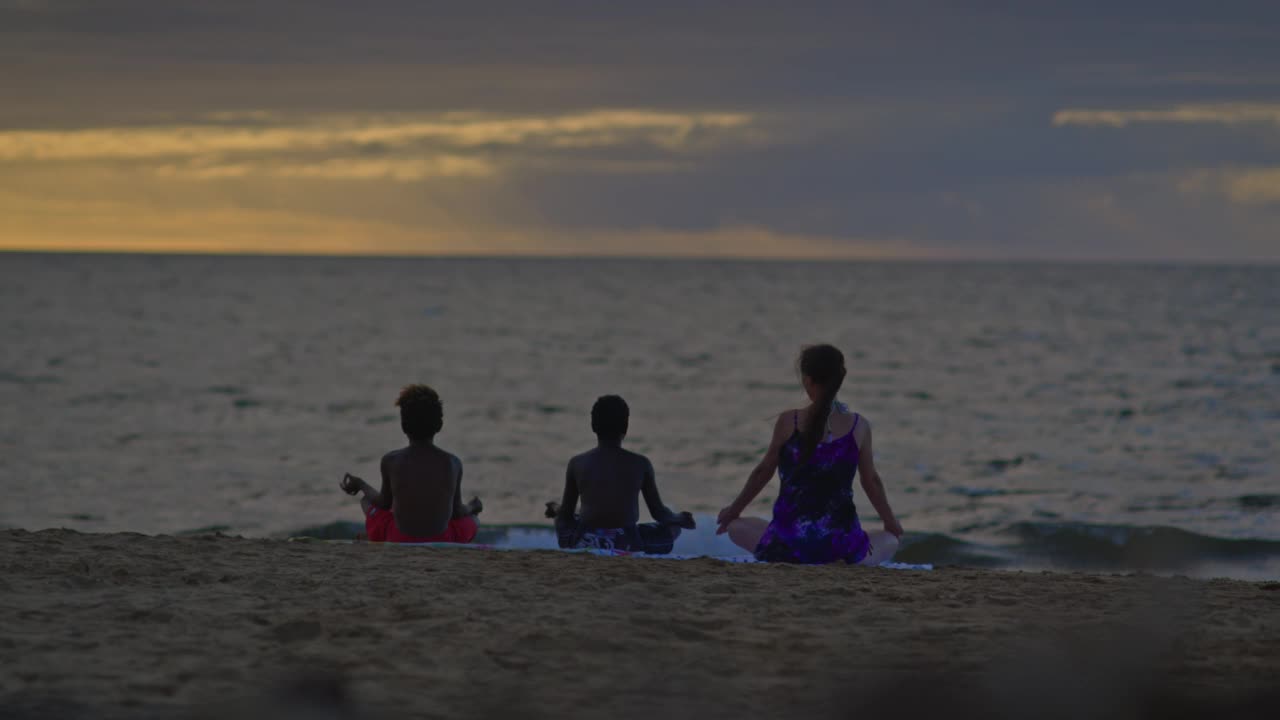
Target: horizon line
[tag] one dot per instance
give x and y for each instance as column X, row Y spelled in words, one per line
column 799, row 259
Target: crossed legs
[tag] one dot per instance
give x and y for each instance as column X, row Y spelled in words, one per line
column 746, row 532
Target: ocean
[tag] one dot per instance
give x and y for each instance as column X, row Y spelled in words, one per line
column 1029, row 416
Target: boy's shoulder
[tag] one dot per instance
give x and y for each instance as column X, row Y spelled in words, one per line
column 404, row 451
column 637, row 456
column 455, row 462
column 636, row 459
column 628, row 454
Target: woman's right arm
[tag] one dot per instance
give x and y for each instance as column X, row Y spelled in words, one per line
column 759, row 477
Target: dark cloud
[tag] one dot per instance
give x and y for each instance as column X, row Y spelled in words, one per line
column 726, row 52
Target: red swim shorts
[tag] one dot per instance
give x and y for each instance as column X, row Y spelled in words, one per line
column 380, row 526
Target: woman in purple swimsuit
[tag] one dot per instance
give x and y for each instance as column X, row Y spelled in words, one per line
column 816, row 451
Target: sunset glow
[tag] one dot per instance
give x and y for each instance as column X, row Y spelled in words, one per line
column 304, row 128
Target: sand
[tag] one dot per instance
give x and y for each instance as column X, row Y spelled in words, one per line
column 124, row 625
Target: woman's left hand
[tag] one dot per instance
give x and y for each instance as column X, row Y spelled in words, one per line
column 893, row 527
column 725, row 517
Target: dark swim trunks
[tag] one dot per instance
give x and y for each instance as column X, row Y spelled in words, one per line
column 648, row 538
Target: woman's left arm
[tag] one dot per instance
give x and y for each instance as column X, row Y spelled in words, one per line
column 758, row 478
column 874, row 486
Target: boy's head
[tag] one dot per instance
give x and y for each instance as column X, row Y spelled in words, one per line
column 609, row 418
column 421, row 414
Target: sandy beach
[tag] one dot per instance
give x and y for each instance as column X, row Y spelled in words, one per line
column 125, row 625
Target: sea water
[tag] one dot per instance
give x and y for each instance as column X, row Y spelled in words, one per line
column 1025, row 415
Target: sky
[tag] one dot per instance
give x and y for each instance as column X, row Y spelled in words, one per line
column 1085, row 130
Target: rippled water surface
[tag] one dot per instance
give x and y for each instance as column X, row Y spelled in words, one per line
column 164, row 394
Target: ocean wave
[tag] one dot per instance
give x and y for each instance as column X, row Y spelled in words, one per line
column 1130, row 546
column 1101, row 548
column 1018, row 546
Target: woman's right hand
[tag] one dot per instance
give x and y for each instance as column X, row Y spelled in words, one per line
column 725, row 517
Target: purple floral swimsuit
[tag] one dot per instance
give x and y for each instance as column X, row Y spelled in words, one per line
column 814, row 520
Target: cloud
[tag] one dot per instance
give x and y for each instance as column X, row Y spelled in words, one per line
column 402, row 148
column 1254, row 186
column 400, row 124
column 397, row 169
column 1233, row 114
column 670, row 131
column 33, row 5
column 1251, row 186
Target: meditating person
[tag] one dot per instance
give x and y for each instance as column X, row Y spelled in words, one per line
column 816, row 450
column 421, row 495
column 608, row 482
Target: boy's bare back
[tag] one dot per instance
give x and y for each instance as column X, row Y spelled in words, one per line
column 609, row 482
column 424, row 483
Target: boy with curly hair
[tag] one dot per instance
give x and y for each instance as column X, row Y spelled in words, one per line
column 421, row 495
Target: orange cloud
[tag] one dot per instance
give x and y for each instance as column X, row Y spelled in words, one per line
column 1194, row 114
column 399, row 169
column 1242, row 186
column 345, row 133
column 400, row 148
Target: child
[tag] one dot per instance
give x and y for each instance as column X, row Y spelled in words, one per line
column 609, row 480
column 421, row 496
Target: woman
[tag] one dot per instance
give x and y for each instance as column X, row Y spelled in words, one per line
column 817, row 451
